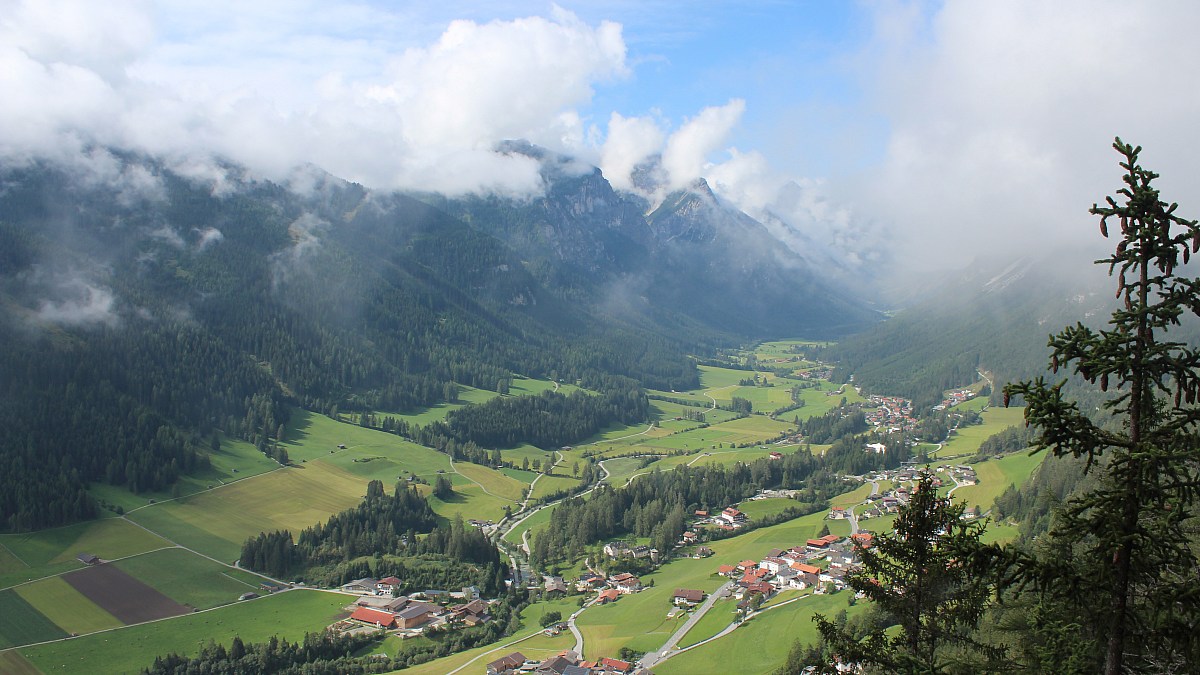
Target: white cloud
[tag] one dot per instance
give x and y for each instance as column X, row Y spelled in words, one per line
column 1002, row 116
column 78, row 74
column 80, row 303
column 208, row 237
column 687, row 153
column 630, row 141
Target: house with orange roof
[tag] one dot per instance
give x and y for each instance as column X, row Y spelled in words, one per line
column 374, row 617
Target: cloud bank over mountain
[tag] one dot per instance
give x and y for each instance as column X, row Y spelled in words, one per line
column 949, row 130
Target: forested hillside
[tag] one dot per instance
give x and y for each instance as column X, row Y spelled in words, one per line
column 148, row 311
column 991, row 317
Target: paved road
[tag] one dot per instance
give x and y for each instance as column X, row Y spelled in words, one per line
column 664, row 652
column 578, row 648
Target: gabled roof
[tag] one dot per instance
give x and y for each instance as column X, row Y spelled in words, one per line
column 622, row 666
column 373, row 616
column 504, row 662
column 689, row 594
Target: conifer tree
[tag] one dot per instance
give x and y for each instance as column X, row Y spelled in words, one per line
column 1125, row 541
column 918, row 577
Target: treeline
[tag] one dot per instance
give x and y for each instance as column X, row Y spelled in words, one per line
column 659, row 505
column 1011, row 439
column 332, row 552
column 833, row 425
column 547, row 420
column 117, row 406
column 381, row 312
column 317, row 654
column 1033, row 504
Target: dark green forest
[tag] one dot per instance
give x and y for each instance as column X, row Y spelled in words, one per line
column 139, row 329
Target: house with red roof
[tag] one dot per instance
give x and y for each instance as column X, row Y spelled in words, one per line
column 615, row 666
column 374, row 617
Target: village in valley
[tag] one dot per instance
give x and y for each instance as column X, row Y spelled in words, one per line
column 813, row 567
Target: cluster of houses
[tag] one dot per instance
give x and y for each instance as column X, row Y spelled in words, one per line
column 962, row 474
column 819, row 564
column 891, row 414
column 564, row 663
column 377, row 609
column 954, row 398
column 610, row 588
column 728, row 519
column 815, row 374
column 622, row 549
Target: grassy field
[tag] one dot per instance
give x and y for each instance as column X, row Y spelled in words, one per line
column 218, row 521
column 966, row 441
column 765, row 507
column 500, row 485
column 12, row 663
column 235, row 460
column 995, row 475
column 533, row 523
column 712, row 377
column 21, row 624
column 66, row 607
column 39, row 554
column 311, row 436
column 288, row 615
column 639, row 621
column 551, row 484
column 760, row 645
column 621, row 468
column 437, row 412
column 189, row 579
column 521, row 453
column 713, row 622
column 469, row 501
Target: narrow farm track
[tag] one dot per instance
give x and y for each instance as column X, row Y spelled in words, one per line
column 481, row 487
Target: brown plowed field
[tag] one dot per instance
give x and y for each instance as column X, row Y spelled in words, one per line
column 121, row 595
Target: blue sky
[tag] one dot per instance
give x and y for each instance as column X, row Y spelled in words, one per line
column 880, row 133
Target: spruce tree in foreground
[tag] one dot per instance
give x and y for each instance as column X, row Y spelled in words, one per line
column 1126, row 558
column 917, row 576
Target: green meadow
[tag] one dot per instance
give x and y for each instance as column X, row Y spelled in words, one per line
column 966, row 440
column 995, row 475
column 38, row 554
column 21, row 624
column 761, row 644
column 189, row 579
column 69, row 609
column 235, row 460
column 218, row 521
column 547, row 485
column 493, row 481
column 288, row 615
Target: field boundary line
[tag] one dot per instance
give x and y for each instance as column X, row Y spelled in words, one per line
column 145, row 623
column 245, row 583
column 490, row 651
column 106, row 561
column 200, row 492
column 481, row 487
column 14, row 554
